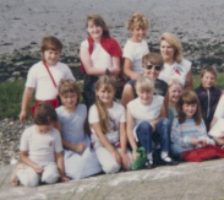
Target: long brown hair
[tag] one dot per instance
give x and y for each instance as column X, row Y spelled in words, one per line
column 99, row 21
column 107, row 83
column 189, row 97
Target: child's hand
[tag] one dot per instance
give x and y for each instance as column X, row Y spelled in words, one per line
column 195, row 141
column 65, row 179
column 22, row 116
column 117, row 157
column 38, row 169
column 125, row 160
column 204, row 142
column 80, row 147
column 135, row 76
column 153, row 125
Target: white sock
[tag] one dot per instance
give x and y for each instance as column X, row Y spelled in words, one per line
column 149, row 156
column 165, row 156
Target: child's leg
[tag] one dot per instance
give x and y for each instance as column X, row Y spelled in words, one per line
column 176, row 151
column 107, row 161
column 163, row 130
column 27, row 176
column 144, row 134
column 50, row 174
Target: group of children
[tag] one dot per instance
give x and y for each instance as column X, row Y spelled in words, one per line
column 155, row 114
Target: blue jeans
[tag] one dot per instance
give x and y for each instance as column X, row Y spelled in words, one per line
column 161, row 136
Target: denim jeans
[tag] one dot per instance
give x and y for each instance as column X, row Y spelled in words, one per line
column 161, row 136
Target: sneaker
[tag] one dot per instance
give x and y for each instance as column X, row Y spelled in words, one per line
column 168, row 161
column 149, row 164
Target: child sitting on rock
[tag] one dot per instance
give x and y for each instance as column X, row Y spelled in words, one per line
column 188, row 129
column 80, row 160
column 146, row 124
column 40, row 151
column 44, row 76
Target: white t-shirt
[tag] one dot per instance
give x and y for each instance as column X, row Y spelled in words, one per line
column 142, row 112
column 41, row 147
column 39, row 78
column 135, row 52
column 219, row 112
column 99, row 57
column 117, row 115
column 177, row 71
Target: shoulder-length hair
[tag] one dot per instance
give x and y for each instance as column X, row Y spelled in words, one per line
column 99, row 21
column 189, row 97
column 173, row 41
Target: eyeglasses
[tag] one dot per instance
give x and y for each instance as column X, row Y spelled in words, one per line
column 156, row 67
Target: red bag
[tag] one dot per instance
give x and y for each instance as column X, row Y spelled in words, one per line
column 204, row 153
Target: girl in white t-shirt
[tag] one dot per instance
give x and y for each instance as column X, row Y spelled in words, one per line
column 107, row 121
column 100, row 54
column 146, row 124
column 40, row 151
column 44, row 76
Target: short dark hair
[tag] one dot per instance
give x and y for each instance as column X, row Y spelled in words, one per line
column 44, row 114
column 210, row 69
column 50, row 42
column 152, row 58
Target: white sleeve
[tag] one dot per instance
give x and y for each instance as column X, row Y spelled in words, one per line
column 24, row 143
column 128, row 52
column 93, row 115
column 146, row 48
column 123, row 115
column 219, row 112
column 31, row 78
column 68, row 73
column 57, row 144
column 84, row 44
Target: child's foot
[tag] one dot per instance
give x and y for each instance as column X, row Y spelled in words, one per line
column 168, row 161
column 149, row 164
column 14, row 179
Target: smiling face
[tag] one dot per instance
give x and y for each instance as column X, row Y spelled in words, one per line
column 51, row 57
column 145, row 96
column 207, row 80
column 138, row 34
column 151, row 71
column 175, row 92
column 69, row 100
column 167, row 51
column 106, row 95
column 189, row 109
column 95, row 31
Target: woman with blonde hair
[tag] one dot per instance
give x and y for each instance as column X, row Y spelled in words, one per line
column 175, row 67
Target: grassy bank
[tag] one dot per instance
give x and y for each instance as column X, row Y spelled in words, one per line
column 11, row 95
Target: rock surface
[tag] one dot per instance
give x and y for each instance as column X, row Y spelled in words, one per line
column 186, row 181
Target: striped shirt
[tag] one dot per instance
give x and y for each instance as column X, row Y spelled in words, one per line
column 181, row 134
